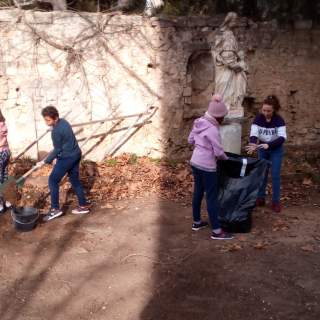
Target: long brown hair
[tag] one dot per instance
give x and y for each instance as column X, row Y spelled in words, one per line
column 273, row 101
column 2, row 118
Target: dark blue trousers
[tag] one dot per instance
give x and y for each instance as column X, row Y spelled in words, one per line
column 275, row 156
column 65, row 166
column 206, row 182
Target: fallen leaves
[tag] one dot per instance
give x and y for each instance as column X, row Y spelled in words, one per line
column 231, row 248
column 308, row 248
column 107, row 206
column 260, row 245
column 119, row 178
column 131, row 177
column 280, row 225
column 235, row 247
column 307, row 182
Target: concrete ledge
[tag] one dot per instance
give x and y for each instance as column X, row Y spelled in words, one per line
column 9, row 15
column 38, row 17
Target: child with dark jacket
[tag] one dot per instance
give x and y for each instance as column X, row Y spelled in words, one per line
column 68, row 155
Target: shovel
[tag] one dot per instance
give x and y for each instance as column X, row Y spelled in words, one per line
column 8, row 188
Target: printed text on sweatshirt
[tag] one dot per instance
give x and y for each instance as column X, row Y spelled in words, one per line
column 272, row 132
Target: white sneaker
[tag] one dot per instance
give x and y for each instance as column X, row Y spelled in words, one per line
column 52, row 214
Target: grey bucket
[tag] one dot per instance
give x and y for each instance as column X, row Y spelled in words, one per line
column 24, row 218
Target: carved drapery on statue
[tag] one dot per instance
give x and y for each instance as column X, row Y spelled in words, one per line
column 230, row 67
column 151, row 7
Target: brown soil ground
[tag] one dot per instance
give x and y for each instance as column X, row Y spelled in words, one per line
column 139, row 259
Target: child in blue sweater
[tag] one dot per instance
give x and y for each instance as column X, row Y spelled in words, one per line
column 68, row 155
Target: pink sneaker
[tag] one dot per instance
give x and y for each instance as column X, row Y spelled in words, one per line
column 260, row 202
column 276, row 207
column 222, row 236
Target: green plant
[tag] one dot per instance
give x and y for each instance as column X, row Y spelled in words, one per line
column 133, row 159
column 112, row 162
column 172, row 9
column 155, row 160
column 172, row 163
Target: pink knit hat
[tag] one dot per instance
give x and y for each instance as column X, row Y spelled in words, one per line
column 217, row 108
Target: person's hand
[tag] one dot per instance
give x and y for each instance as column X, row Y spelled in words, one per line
column 251, row 148
column 264, row 146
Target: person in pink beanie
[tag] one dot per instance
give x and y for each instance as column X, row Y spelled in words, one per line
column 205, row 136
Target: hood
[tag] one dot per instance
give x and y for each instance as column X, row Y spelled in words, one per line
column 202, row 124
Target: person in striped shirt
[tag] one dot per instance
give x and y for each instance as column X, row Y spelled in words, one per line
column 267, row 136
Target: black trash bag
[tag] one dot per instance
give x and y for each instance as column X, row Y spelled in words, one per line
column 240, row 179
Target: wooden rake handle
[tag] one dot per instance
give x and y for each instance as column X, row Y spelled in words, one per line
column 27, row 174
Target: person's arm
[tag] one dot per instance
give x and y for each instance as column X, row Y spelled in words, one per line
column 217, row 147
column 57, row 145
column 191, row 137
column 254, row 134
column 254, row 138
column 276, row 143
column 282, row 136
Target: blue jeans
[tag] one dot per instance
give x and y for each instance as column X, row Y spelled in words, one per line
column 205, row 182
column 275, row 156
column 64, row 166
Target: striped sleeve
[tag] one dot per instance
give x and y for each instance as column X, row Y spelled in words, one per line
column 281, row 134
column 276, row 143
column 254, row 132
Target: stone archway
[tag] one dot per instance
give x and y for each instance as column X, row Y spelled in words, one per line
column 200, row 83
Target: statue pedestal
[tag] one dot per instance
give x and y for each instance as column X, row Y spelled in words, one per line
column 231, row 133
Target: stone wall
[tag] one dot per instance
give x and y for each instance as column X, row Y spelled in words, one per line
column 99, row 65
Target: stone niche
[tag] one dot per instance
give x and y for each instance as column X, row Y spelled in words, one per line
column 200, row 83
column 200, row 86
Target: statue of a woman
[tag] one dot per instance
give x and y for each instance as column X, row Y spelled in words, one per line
column 230, row 67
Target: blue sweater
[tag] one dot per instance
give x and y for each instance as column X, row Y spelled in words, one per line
column 64, row 142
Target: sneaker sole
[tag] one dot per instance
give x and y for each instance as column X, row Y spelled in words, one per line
column 216, row 238
column 197, row 229
column 53, row 217
column 80, row 212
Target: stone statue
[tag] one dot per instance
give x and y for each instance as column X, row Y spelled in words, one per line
column 151, row 7
column 230, row 67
